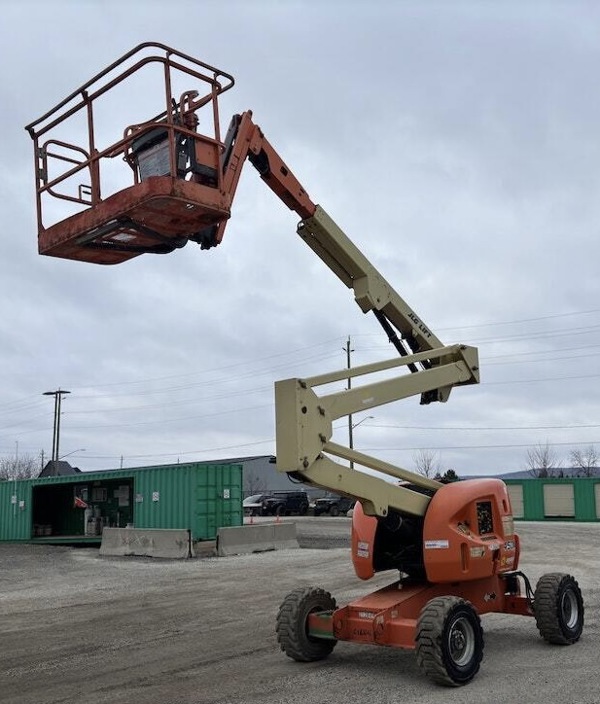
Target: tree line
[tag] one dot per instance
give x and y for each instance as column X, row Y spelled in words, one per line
column 541, row 462
column 22, row 467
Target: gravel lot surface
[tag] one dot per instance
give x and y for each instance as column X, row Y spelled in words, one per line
column 79, row 628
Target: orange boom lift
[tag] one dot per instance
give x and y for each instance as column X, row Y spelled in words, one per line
column 170, row 179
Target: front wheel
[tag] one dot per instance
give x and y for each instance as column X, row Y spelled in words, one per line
column 558, row 608
column 449, row 641
column 292, row 624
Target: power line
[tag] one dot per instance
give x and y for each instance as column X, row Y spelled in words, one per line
column 203, row 451
column 224, row 368
column 524, row 320
column 546, row 379
column 516, row 321
column 486, row 428
column 475, row 447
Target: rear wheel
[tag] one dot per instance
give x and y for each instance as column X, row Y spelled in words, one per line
column 292, row 624
column 449, row 641
column 558, row 608
column 334, row 510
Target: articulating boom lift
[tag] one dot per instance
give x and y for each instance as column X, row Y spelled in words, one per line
column 453, row 545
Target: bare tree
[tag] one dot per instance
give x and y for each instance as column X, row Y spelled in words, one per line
column 586, row 461
column 254, row 483
column 427, row 463
column 23, row 467
column 542, row 462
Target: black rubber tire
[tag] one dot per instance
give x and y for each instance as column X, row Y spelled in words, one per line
column 334, row 510
column 449, row 641
column 279, row 511
column 558, row 608
column 291, row 626
column 303, row 509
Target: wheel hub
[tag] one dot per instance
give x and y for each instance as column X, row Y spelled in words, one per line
column 461, row 642
column 569, row 609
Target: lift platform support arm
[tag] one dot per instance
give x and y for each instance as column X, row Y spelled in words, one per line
column 304, row 420
column 184, row 184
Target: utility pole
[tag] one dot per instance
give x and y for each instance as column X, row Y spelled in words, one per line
column 58, row 394
column 348, row 350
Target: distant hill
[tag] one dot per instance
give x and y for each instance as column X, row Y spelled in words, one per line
column 562, row 472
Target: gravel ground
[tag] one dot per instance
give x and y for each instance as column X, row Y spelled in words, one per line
column 80, row 628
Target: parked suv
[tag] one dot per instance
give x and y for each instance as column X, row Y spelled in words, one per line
column 283, row 503
column 333, row 505
column 255, row 505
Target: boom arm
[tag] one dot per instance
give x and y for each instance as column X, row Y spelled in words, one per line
column 184, row 184
column 304, row 420
column 371, row 291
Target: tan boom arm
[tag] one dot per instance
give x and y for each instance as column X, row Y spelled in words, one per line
column 304, row 427
column 304, row 420
column 371, row 291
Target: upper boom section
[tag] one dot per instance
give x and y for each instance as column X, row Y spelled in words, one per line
column 172, row 178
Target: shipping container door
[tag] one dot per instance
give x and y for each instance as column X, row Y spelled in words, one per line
column 205, row 523
column 218, row 499
column 230, row 491
column 515, row 491
column 559, row 500
column 228, row 497
column 15, row 510
column 597, row 492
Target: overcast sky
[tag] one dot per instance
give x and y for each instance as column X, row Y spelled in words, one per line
column 456, row 143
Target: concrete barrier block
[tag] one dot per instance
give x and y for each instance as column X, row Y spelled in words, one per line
column 168, row 543
column 243, row 540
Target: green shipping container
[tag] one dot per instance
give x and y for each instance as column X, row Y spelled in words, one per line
column 575, row 499
column 198, row 497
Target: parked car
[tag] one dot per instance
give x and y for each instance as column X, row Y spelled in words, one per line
column 255, row 505
column 284, row 503
column 333, row 505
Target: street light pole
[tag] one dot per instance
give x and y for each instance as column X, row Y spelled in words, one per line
column 351, row 427
column 58, row 394
column 81, row 449
column 348, row 350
